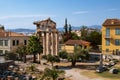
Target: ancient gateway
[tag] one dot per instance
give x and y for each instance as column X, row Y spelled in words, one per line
column 46, row 30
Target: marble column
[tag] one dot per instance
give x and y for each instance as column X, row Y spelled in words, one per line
column 47, row 43
column 44, row 40
column 56, row 43
column 52, row 41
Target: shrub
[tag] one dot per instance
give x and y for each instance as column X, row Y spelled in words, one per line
column 11, row 56
column 63, row 54
column 44, row 56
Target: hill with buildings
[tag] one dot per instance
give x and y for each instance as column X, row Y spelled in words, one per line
column 29, row 31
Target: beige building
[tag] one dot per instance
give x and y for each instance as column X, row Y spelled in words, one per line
column 46, row 30
column 70, row 45
column 9, row 41
column 78, row 32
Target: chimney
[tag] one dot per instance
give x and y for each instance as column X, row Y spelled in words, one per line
column 112, row 22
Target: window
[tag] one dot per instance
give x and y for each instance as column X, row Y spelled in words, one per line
column 107, row 50
column 108, row 32
column 107, row 42
column 25, row 42
column 1, row 52
column 117, row 42
column 17, row 42
column 117, row 31
column 13, row 42
column 6, row 51
column 6, row 42
column 1, row 42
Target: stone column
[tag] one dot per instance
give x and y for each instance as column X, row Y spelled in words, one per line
column 47, row 43
column 43, row 36
column 38, row 57
column 52, row 41
column 56, row 43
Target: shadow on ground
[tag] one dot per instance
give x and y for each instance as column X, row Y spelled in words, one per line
column 86, row 66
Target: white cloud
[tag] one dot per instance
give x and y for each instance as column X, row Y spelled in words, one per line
column 80, row 12
column 26, row 16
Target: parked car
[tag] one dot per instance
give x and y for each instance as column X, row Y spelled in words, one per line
column 114, row 71
column 101, row 69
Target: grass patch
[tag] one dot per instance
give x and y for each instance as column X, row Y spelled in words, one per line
column 109, row 75
column 89, row 73
column 104, row 75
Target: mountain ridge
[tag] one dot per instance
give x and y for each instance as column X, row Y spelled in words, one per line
column 25, row 30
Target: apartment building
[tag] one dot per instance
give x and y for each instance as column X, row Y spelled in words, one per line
column 111, row 36
column 9, row 41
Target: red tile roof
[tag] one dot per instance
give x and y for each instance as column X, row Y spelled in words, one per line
column 79, row 42
column 111, row 22
column 10, row 34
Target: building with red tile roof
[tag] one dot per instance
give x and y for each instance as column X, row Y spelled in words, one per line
column 69, row 45
column 9, row 41
column 111, row 36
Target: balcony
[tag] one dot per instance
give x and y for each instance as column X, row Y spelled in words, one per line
column 108, row 36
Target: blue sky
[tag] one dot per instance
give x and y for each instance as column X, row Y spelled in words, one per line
column 22, row 13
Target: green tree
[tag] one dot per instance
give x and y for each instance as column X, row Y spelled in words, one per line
column 70, row 29
column 22, row 51
column 74, row 36
column 52, row 59
column 84, row 54
column 95, row 38
column 63, row 54
column 78, row 53
column 52, row 74
column 2, row 27
column 34, row 46
column 84, row 32
column 66, row 33
column 74, row 56
column 32, row 67
column 66, row 26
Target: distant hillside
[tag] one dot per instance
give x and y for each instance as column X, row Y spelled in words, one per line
column 96, row 26
column 78, row 28
column 22, row 30
column 73, row 28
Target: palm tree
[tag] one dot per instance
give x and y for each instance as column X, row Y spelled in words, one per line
column 74, row 56
column 84, row 54
column 34, row 46
column 63, row 54
column 78, row 53
column 52, row 74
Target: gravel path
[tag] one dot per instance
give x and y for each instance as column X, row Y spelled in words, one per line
column 75, row 75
